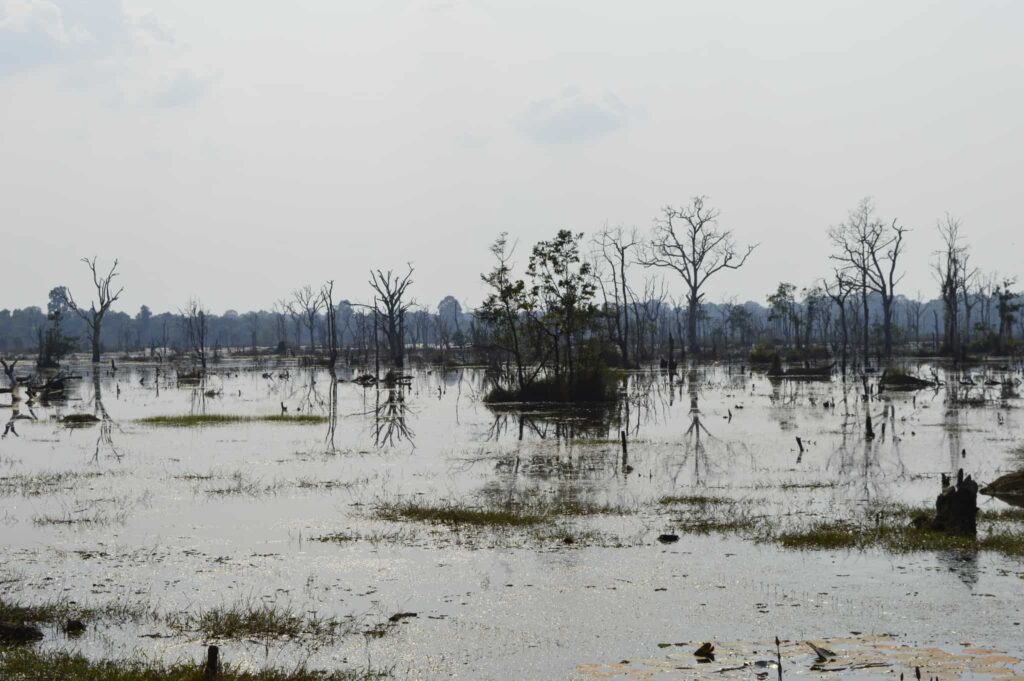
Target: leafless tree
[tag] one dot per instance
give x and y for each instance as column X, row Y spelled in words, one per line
column 869, row 250
column 105, row 297
column 331, row 314
column 951, row 271
column 252, row 322
column 689, row 241
column 306, row 305
column 196, row 323
column 838, row 290
column 913, row 309
column 615, row 247
column 391, row 306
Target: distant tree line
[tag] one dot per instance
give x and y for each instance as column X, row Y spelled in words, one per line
column 571, row 303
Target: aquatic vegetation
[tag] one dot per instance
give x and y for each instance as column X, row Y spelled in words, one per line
column 31, row 663
column 196, row 420
column 453, row 514
column 258, row 619
column 695, row 500
column 44, row 482
column 896, row 539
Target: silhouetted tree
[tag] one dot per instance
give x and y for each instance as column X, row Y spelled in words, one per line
column 390, row 303
column 105, row 297
column 689, row 241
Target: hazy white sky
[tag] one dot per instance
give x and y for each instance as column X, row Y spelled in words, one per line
column 236, row 149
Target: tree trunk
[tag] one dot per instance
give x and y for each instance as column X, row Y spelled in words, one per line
column 95, row 343
column 691, row 322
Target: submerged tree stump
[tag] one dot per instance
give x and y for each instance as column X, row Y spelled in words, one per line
column 956, row 507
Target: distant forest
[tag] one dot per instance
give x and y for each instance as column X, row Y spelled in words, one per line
column 608, row 296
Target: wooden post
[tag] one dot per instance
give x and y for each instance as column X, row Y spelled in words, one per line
column 212, row 662
column 625, row 455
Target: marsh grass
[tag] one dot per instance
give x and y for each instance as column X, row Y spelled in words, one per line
column 1012, row 515
column 897, row 539
column 454, row 514
column 530, row 511
column 44, row 482
column 199, row 420
column 60, row 610
column 31, row 663
column 100, row 512
column 695, row 500
column 252, row 619
column 243, row 486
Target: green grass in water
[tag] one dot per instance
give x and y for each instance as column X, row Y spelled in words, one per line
column 196, row 420
column 24, row 663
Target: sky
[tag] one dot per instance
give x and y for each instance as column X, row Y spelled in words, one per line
column 234, row 150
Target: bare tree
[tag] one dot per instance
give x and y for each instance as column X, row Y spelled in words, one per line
column 331, row 313
column 689, row 241
column 838, row 290
column 951, row 272
column 306, row 305
column 391, row 305
column 196, row 323
column 870, row 250
column 105, row 297
column 615, row 247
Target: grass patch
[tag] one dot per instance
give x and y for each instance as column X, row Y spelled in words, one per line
column 1013, row 515
column 896, row 539
column 529, row 510
column 261, row 621
column 695, row 500
column 44, row 482
column 59, row 611
column 198, row 420
column 452, row 514
column 30, row 663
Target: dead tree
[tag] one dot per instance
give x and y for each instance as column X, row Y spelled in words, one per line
column 11, row 378
column 689, row 241
column 952, row 274
column 390, row 306
column 196, row 323
column 331, row 314
column 615, row 246
column 869, row 250
column 93, row 317
column 306, row 305
column 838, row 291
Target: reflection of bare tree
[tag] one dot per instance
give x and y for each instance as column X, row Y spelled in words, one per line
column 106, row 423
column 16, row 416
column 389, row 419
column 332, row 412
column 694, row 448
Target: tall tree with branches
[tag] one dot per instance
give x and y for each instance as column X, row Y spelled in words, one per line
column 306, row 305
column 616, row 247
column 952, row 273
column 391, row 304
column 331, row 314
column 688, row 240
column 105, row 297
column 869, row 250
column 196, row 323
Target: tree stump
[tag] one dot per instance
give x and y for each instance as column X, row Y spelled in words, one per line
column 956, row 507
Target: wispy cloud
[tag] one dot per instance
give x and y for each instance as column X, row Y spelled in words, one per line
column 573, row 117
column 135, row 57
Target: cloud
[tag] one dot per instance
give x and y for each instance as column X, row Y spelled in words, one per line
column 135, row 59
column 183, row 89
column 573, row 117
column 35, row 32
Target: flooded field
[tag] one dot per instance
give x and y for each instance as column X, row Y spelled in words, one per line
column 416, row 532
